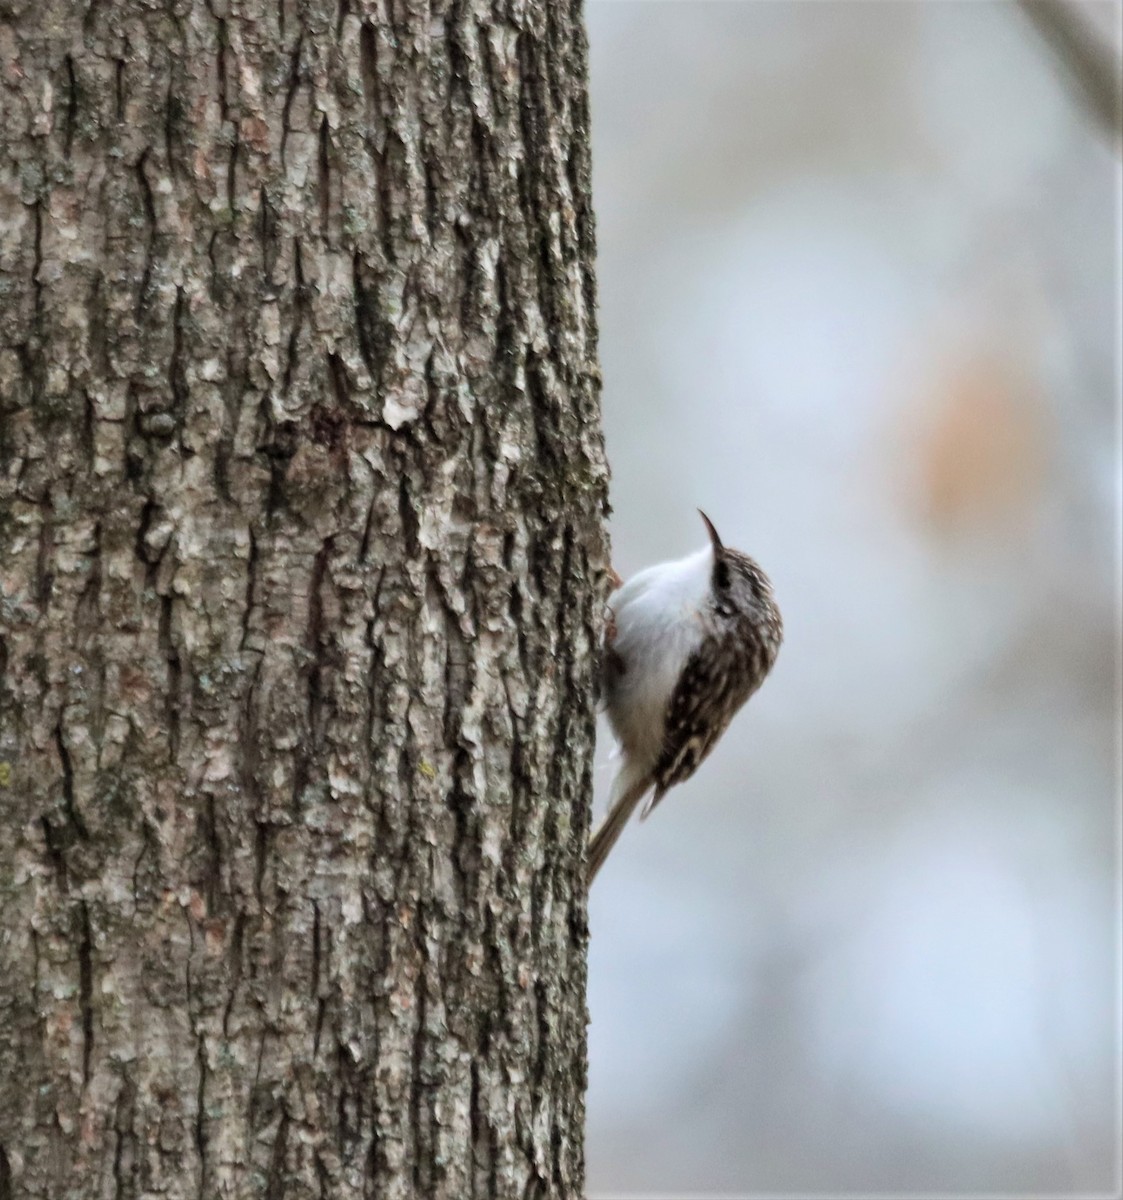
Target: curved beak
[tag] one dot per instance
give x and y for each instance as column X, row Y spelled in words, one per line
column 718, row 547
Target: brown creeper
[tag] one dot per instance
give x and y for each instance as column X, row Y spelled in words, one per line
column 688, row 642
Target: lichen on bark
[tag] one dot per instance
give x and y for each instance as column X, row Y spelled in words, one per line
column 301, row 519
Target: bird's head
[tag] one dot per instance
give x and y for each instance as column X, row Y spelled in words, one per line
column 740, row 588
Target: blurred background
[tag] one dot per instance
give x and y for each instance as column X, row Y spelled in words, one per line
column 858, row 273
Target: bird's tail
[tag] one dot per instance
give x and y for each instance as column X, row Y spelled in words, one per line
column 627, row 792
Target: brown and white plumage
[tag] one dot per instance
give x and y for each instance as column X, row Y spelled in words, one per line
column 689, row 642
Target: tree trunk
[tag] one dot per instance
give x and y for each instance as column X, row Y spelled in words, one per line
column 301, row 495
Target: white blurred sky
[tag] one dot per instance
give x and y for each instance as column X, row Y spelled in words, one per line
column 858, row 273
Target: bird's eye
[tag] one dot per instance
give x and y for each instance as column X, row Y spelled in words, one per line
column 721, row 576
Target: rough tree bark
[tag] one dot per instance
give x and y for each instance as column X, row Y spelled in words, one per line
column 301, row 497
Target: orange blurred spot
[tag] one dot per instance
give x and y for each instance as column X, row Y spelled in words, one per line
column 981, row 454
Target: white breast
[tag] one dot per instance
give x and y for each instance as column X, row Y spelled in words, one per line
column 658, row 627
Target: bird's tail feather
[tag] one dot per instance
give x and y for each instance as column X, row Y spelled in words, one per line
column 627, row 792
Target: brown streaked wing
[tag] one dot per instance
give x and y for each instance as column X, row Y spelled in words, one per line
column 709, row 692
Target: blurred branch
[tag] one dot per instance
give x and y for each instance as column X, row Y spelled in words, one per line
column 1091, row 65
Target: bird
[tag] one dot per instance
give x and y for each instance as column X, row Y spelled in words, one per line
column 686, row 643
